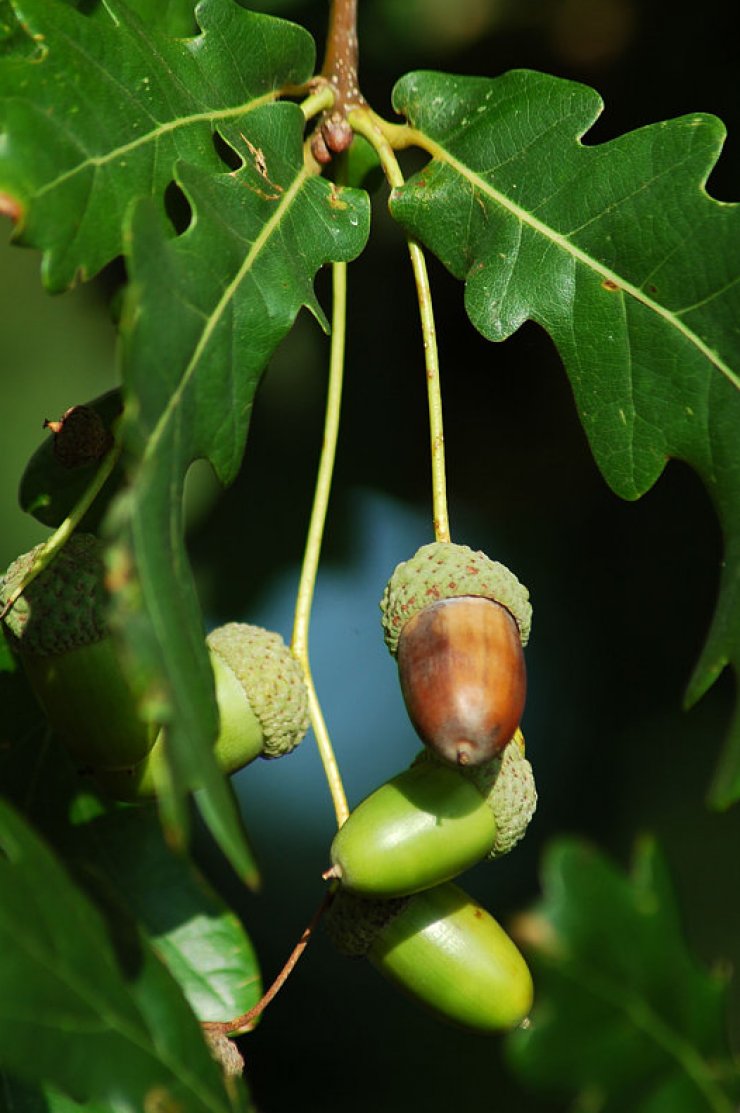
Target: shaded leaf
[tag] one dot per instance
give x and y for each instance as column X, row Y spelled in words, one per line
column 206, row 310
column 101, row 115
column 98, row 1024
column 202, row 943
column 49, row 491
column 118, row 853
column 624, row 1015
column 619, row 253
column 18, row 1097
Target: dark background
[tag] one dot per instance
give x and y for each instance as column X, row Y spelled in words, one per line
column 623, row 593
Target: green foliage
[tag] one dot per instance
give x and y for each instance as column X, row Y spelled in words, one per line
column 122, row 874
column 619, row 253
column 624, row 1015
column 205, row 314
column 132, row 101
column 188, row 158
column 205, row 310
column 102, row 1001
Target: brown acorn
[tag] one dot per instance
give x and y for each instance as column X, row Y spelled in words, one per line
column 456, row 621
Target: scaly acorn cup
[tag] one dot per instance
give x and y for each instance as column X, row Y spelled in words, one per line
column 58, row 628
column 432, row 822
column 443, row 950
column 262, row 706
column 457, row 621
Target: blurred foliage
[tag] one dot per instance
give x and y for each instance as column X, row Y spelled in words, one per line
column 625, row 1018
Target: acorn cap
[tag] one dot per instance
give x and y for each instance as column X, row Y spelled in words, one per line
column 64, row 607
column 272, row 680
column 507, row 784
column 354, row 922
column 442, row 570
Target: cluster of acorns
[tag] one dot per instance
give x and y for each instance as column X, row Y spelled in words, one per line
column 456, row 621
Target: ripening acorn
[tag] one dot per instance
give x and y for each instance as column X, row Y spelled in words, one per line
column 432, row 822
column 457, row 621
column 262, row 705
column 59, row 630
column 441, row 949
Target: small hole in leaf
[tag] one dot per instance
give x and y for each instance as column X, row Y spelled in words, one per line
column 87, row 7
column 177, row 207
column 226, row 152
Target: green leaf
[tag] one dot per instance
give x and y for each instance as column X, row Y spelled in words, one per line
column 173, row 16
column 206, row 309
column 120, row 849
column 202, row 943
column 205, row 313
column 99, row 1024
column 7, row 663
column 619, row 253
column 624, row 1016
column 100, row 117
column 20, row 1098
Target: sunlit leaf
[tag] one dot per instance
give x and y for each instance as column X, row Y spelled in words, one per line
column 100, row 116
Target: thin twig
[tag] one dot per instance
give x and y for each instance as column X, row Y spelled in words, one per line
column 314, row 537
column 62, row 534
column 245, row 1022
column 367, row 124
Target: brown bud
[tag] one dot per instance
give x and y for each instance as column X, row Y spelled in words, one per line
column 80, row 437
column 463, row 677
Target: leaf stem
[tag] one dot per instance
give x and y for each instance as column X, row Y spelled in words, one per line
column 62, row 534
column 319, row 100
column 367, row 124
column 314, row 537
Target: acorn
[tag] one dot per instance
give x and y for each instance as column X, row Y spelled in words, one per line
column 262, row 704
column 443, row 950
column 58, row 628
column 457, row 621
column 432, row 822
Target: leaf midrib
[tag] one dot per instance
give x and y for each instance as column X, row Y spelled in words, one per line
column 643, row 1017
column 578, row 254
column 216, row 314
column 211, row 116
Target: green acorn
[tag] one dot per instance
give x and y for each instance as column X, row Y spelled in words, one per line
column 457, row 621
column 443, row 950
column 432, row 822
column 262, row 705
column 58, row 628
